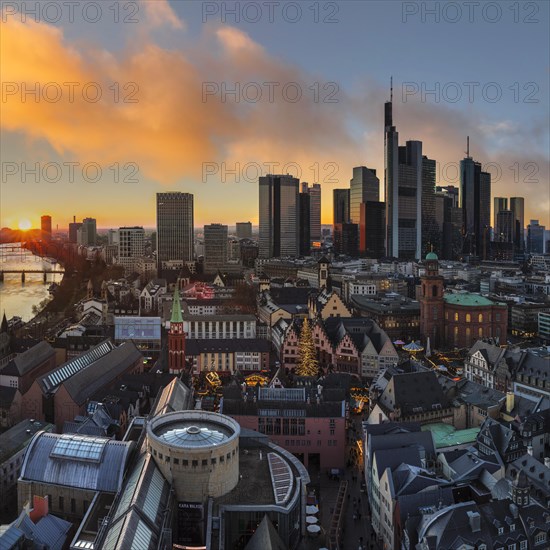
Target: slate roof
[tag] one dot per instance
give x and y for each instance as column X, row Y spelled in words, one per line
column 289, row 295
column 413, row 392
column 18, row 436
column 265, row 537
column 92, row 374
column 29, row 360
column 536, row 473
column 176, row 396
column 195, row 346
column 50, row 531
column 105, row 474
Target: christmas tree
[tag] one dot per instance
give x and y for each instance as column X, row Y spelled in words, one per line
column 307, row 365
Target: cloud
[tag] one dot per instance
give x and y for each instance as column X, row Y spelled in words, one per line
column 174, row 128
column 160, row 13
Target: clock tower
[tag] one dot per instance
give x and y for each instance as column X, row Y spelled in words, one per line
column 176, row 338
column 432, row 304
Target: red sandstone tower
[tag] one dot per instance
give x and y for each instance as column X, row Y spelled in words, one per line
column 176, row 338
column 432, row 309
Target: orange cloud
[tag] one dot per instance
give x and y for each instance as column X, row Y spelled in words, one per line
column 173, row 128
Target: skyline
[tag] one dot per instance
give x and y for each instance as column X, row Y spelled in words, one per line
column 172, row 141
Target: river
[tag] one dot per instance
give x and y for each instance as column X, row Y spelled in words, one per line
column 17, row 298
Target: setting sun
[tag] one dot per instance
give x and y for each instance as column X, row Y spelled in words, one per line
column 24, row 224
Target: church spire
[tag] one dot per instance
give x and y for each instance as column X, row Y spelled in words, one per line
column 176, row 308
column 4, row 325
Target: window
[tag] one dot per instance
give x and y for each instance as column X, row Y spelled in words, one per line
column 480, row 332
column 205, row 462
column 480, row 318
column 512, row 546
column 185, row 462
column 456, row 316
column 212, row 461
column 194, row 463
column 85, row 505
column 468, row 318
column 176, row 460
column 523, row 545
column 61, row 503
column 73, row 505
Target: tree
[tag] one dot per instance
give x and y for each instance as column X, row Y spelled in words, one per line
column 307, row 365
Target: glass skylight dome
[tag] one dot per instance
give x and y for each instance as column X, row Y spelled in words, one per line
column 194, row 435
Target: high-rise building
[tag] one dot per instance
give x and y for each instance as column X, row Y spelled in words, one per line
column 346, row 239
column 499, row 204
column 475, row 188
column 403, row 186
column 364, row 187
column 131, row 246
column 535, row 237
column 279, row 216
column 504, row 227
column 305, row 224
column 431, row 236
column 517, row 206
column 175, row 234
column 448, row 217
column 112, row 236
column 215, row 247
column 87, row 232
column 314, row 192
column 244, row 230
column 73, row 231
column 372, row 229
column 340, row 205
column 46, row 227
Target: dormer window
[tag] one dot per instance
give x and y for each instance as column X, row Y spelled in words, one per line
column 500, row 530
column 512, row 527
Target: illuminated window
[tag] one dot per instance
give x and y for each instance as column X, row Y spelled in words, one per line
column 480, row 332
column 468, row 318
column 468, row 333
column 456, row 317
column 480, row 318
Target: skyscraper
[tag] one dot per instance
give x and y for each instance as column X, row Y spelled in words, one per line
column 305, row 224
column 346, row 239
column 403, row 186
column 87, row 232
column 244, row 230
column 504, row 228
column 475, row 188
column 499, row 203
column 46, row 227
column 372, row 229
column 340, row 205
column 517, row 206
column 279, row 216
column 535, row 237
column 131, row 246
column 215, row 247
column 364, row 186
column 431, row 236
column 314, row 192
column 73, row 230
column 175, row 235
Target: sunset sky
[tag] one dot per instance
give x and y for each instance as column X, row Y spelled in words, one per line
column 166, row 133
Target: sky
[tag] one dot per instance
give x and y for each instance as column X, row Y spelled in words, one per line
column 105, row 104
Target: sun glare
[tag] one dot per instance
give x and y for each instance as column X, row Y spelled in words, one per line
column 24, row 224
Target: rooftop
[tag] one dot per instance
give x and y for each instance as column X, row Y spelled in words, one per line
column 446, row 435
column 467, row 299
column 18, row 437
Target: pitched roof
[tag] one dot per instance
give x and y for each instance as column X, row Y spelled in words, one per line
column 29, row 360
column 137, row 520
column 265, row 537
column 413, row 392
column 86, row 374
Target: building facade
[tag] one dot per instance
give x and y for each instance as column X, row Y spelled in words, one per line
column 131, row 246
column 175, row 223
column 215, row 247
column 279, row 216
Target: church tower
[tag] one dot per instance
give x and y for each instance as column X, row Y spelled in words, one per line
column 432, row 304
column 176, row 338
column 323, row 272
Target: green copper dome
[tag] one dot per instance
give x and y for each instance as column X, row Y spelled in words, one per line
column 431, row 256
